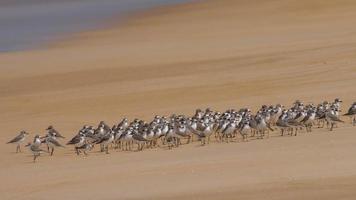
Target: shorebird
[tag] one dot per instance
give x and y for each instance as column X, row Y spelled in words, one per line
column 337, row 105
column 230, row 130
column 309, row 120
column 275, row 113
column 181, row 129
column 126, row 138
column 35, row 150
column 78, row 141
column 352, row 113
column 118, row 131
column 294, row 126
column 332, row 118
column 204, row 133
column 85, row 147
column 106, row 140
column 262, row 126
column 18, row 140
column 171, row 137
column 139, row 139
column 245, row 130
column 100, row 133
column 282, row 122
column 51, row 142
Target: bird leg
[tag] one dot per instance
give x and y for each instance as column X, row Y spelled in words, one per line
column 107, row 149
column 52, row 151
column 102, row 147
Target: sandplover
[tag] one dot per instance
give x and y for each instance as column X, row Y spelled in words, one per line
column 262, row 126
column 352, row 113
column 106, row 140
column 51, row 142
column 309, row 120
column 205, row 132
column 332, row 118
column 244, row 130
column 18, row 140
column 77, row 141
column 35, row 150
column 126, row 138
column 229, row 131
column 139, row 139
column 85, row 148
column 282, row 123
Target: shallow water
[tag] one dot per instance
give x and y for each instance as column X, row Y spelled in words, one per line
column 26, row 24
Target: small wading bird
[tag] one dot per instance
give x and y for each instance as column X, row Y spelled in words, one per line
column 52, row 143
column 170, row 131
column 36, row 151
column 18, row 140
column 352, row 113
column 332, row 118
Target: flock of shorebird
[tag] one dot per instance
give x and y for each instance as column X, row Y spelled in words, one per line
column 230, row 125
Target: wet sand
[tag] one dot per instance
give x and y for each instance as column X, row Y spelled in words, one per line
column 218, row 54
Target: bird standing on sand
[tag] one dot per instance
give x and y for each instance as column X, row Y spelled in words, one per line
column 18, row 140
column 51, row 142
column 78, row 141
column 106, row 140
column 245, row 130
column 331, row 118
column 36, row 150
column 85, row 147
column 282, row 123
column 352, row 113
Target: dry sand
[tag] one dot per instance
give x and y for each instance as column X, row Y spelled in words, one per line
column 219, row 54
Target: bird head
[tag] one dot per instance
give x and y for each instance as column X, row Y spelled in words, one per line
column 24, row 132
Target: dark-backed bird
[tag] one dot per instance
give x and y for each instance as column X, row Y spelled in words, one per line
column 18, row 140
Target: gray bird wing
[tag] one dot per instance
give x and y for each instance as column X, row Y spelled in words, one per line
column 36, row 148
column 16, row 139
column 334, row 118
column 74, row 140
column 138, row 137
column 282, row 123
column 55, row 142
column 352, row 111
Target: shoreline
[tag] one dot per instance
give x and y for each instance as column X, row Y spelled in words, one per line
column 67, row 19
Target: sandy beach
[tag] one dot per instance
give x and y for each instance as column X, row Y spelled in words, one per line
column 173, row 59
